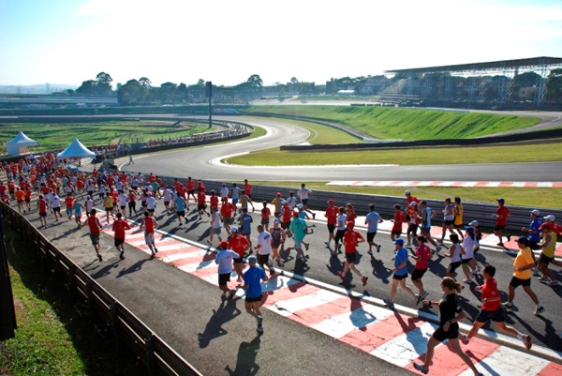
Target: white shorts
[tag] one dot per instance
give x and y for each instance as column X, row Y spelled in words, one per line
column 149, row 238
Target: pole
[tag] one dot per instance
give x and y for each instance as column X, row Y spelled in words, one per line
column 7, row 311
column 209, row 92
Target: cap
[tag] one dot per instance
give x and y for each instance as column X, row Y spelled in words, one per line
column 330, row 201
column 299, row 206
column 474, row 223
column 413, row 203
column 223, row 245
column 284, row 202
column 544, row 226
column 252, row 260
column 500, row 200
column 350, row 223
column 470, row 230
column 399, row 241
column 276, row 220
column 550, row 217
column 535, row 212
column 278, row 194
column 407, row 193
column 234, row 229
column 522, row 239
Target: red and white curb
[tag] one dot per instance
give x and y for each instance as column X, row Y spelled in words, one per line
column 468, row 184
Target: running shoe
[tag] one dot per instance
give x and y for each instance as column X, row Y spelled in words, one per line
column 370, row 253
column 408, row 245
column 340, row 274
column 464, row 339
column 231, row 294
column 538, row 310
column 152, row 256
column 421, row 367
column 121, row 255
column 364, row 280
column 100, row 258
column 306, row 245
column 424, row 295
column 259, row 329
column 313, row 215
column 437, row 249
column 554, row 283
column 527, row 341
column 508, row 237
column 378, row 248
column 500, row 244
column 507, row 305
column 536, row 272
column 223, row 297
column 468, row 281
column 209, row 242
column 260, row 321
column 155, row 250
column 388, row 302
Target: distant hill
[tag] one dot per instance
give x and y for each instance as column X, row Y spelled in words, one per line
column 35, row 89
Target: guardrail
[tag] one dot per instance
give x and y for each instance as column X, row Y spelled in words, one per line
column 128, row 329
column 384, row 205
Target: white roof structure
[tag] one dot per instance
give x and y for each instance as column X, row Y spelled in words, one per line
column 18, row 145
column 76, row 149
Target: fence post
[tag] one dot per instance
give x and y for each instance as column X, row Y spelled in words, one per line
column 90, row 294
column 150, row 358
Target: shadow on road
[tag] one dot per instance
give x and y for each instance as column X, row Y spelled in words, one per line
column 226, row 312
column 246, row 362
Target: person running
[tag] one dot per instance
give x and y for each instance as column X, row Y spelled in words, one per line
column 292, row 200
column 132, row 202
column 167, row 198
column 400, row 273
column 422, row 257
column 448, row 219
column 450, row 313
column 69, row 204
column 28, row 193
column 298, row 228
column 248, row 193
column 180, row 209
column 410, row 198
column 278, row 204
column 426, row 213
column 534, row 234
column 548, row 245
column 492, row 310
column 455, row 254
column 190, row 190
column 235, row 195
column 215, row 225
column 502, row 212
column 468, row 262
column 341, row 228
column 224, row 260
column 522, row 265
column 55, row 202
column 224, row 193
column 78, row 207
column 265, row 216
column 227, row 210
column 331, row 215
column 413, row 219
column 122, row 202
column 108, row 205
column 149, row 224
column 201, row 205
column 263, row 249
column 20, row 198
column 286, row 216
column 252, row 284
column 214, row 200
column 458, row 211
column 119, row 227
column 89, row 203
column 277, row 239
column 245, row 226
column 150, row 203
column 372, row 220
column 240, row 245
column 351, row 240
column 42, row 207
column 94, row 226
column 304, row 195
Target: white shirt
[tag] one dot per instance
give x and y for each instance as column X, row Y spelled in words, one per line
column 55, row 201
column 150, row 203
column 303, row 193
column 224, row 192
column 264, row 243
column 342, row 219
column 216, row 220
column 122, row 199
column 292, row 201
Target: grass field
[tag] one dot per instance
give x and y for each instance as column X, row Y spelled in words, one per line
column 413, row 156
column 529, row 197
column 406, row 124
column 54, row 337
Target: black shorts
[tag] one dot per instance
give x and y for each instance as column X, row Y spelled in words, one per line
column 223, row 279
column 466, row 261
column 339, row 235
column 412, row 228
column 28, row 200
column 371, row 236
column 119, row 241
column 331, row 228
column 448, row 223
column 57, row 209
column 95, row 238
column 425, row 230
column 418, row 274
column 109, row 209
column 544, row 259
column 150, row 210
column 304, row 201
column 442, row 335
column 350, row 257
column 122, row 208
column 499, row 227
column 201, row 206
column 252, row 300
column 396, row 233
column 516, row 282
column 191, row 192
column 265, row 221
column 263, row 259
column 181, row 213
column 285, row 225
column 399, row 277
column 534, row 245
column 453, row 266
column 42, row 214
column 496, row 316
column 239, row 260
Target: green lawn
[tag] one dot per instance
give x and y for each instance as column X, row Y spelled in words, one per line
column 413, row 156
column 406, row 124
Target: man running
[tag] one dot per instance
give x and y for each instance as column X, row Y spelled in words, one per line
column 252, row 284
column 263, row 249
column 94, row 226
column 245, row 226
column 238, row 244
column 304, row 195
column 298, row 229
column 426, row 214
column 422, row 257
column 277, row 239
column 227, row 210
column 351, row 240
column 448, row 219
column 331, row 214
column 502, row 212
column 119, row 227
column 372, row 220
column 248, row 193
column 224, row 260
column 149, row 224
column 215, row 226
column 400, row 273
column 548, row 245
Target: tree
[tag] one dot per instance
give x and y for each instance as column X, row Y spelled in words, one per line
column 554, row 85
column 145, row 82
column 104, row 78
column 255, row 81
column 201, row 82
column 87, row 88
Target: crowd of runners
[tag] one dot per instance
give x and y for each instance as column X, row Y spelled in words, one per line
column 131, row 195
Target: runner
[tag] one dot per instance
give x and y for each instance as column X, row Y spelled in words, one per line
column 298, row 229
column 502, row 212
column 201, row 203
column 226, row 211
column 214, row 201
column 277, row 238
column 455, row 254
column 95, row 226
column 224, row 194
column 20, row 198
column 398, row 219
column 410, row 198
column 265, row 215
column 235, row 195
column 122, row 203
column 238, row 244
column 119, row 227
column 286, row 216
column 180, row 209
column 522, row 265
column 42, row 209
column 351, row 239
column 132, row 202
column 467, row 260
column 253, row 277
column 190, row 190
column 167, row 198
column 264, row 249
column 149, row 224
column 492, row 310
column 372, row 220
column 27, row 198
column 69, row 204
column 400, row 273
column 224, row 260
column 422, row 257
column 331, row 215
column 55, row 202
column 150, row 203
column 448, row 219
column 278, row 203
column 413, row 219
column 548, row 245
column 304, row 195
column 292, row 200
column 248, row 193
column 78, row 212
column 450, row 313
column 89, row 203
column 245, row 226
column 341, row 227
column 426, row 214
column 215, row 225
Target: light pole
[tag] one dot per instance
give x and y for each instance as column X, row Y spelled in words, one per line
column 209, row 93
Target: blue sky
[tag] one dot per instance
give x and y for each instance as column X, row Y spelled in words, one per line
column 69, row 41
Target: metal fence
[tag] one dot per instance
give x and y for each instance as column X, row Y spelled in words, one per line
column 128, row 329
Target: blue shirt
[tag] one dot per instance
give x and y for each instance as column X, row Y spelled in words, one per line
column 179, row 204
column 252, row 278
column 372, row 220
column 224, row 259
column 297, row 227
column 534, row 226
column 246, row 224
column 399, row 258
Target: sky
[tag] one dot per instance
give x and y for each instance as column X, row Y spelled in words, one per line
column 225, row 41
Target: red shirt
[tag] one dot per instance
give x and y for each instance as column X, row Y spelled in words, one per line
column 265, row 213
column 214, row 201
column 556, row 228
column 351, row 216
column 201, row 198
column 42, row 206
column 132, row 197
column 399, row 218
column 69, row 200
column 287, row 213
column 350, row 239
column 191, row 185
column 248, row 189
column 502, row 212
column 423, row 253
column 28, row 193
column 119, row 226
column 411, row 199
column 238, row 244
column 332, row 213
column 149, row 225
column 227, row 209
column 490, row 290
column 94, row 225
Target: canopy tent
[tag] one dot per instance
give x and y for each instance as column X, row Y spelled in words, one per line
column 76, row 149
column 18, row 145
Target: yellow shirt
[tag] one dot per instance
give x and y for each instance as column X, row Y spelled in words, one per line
column 458, row 217
column 523, row 258
column 549, row 250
